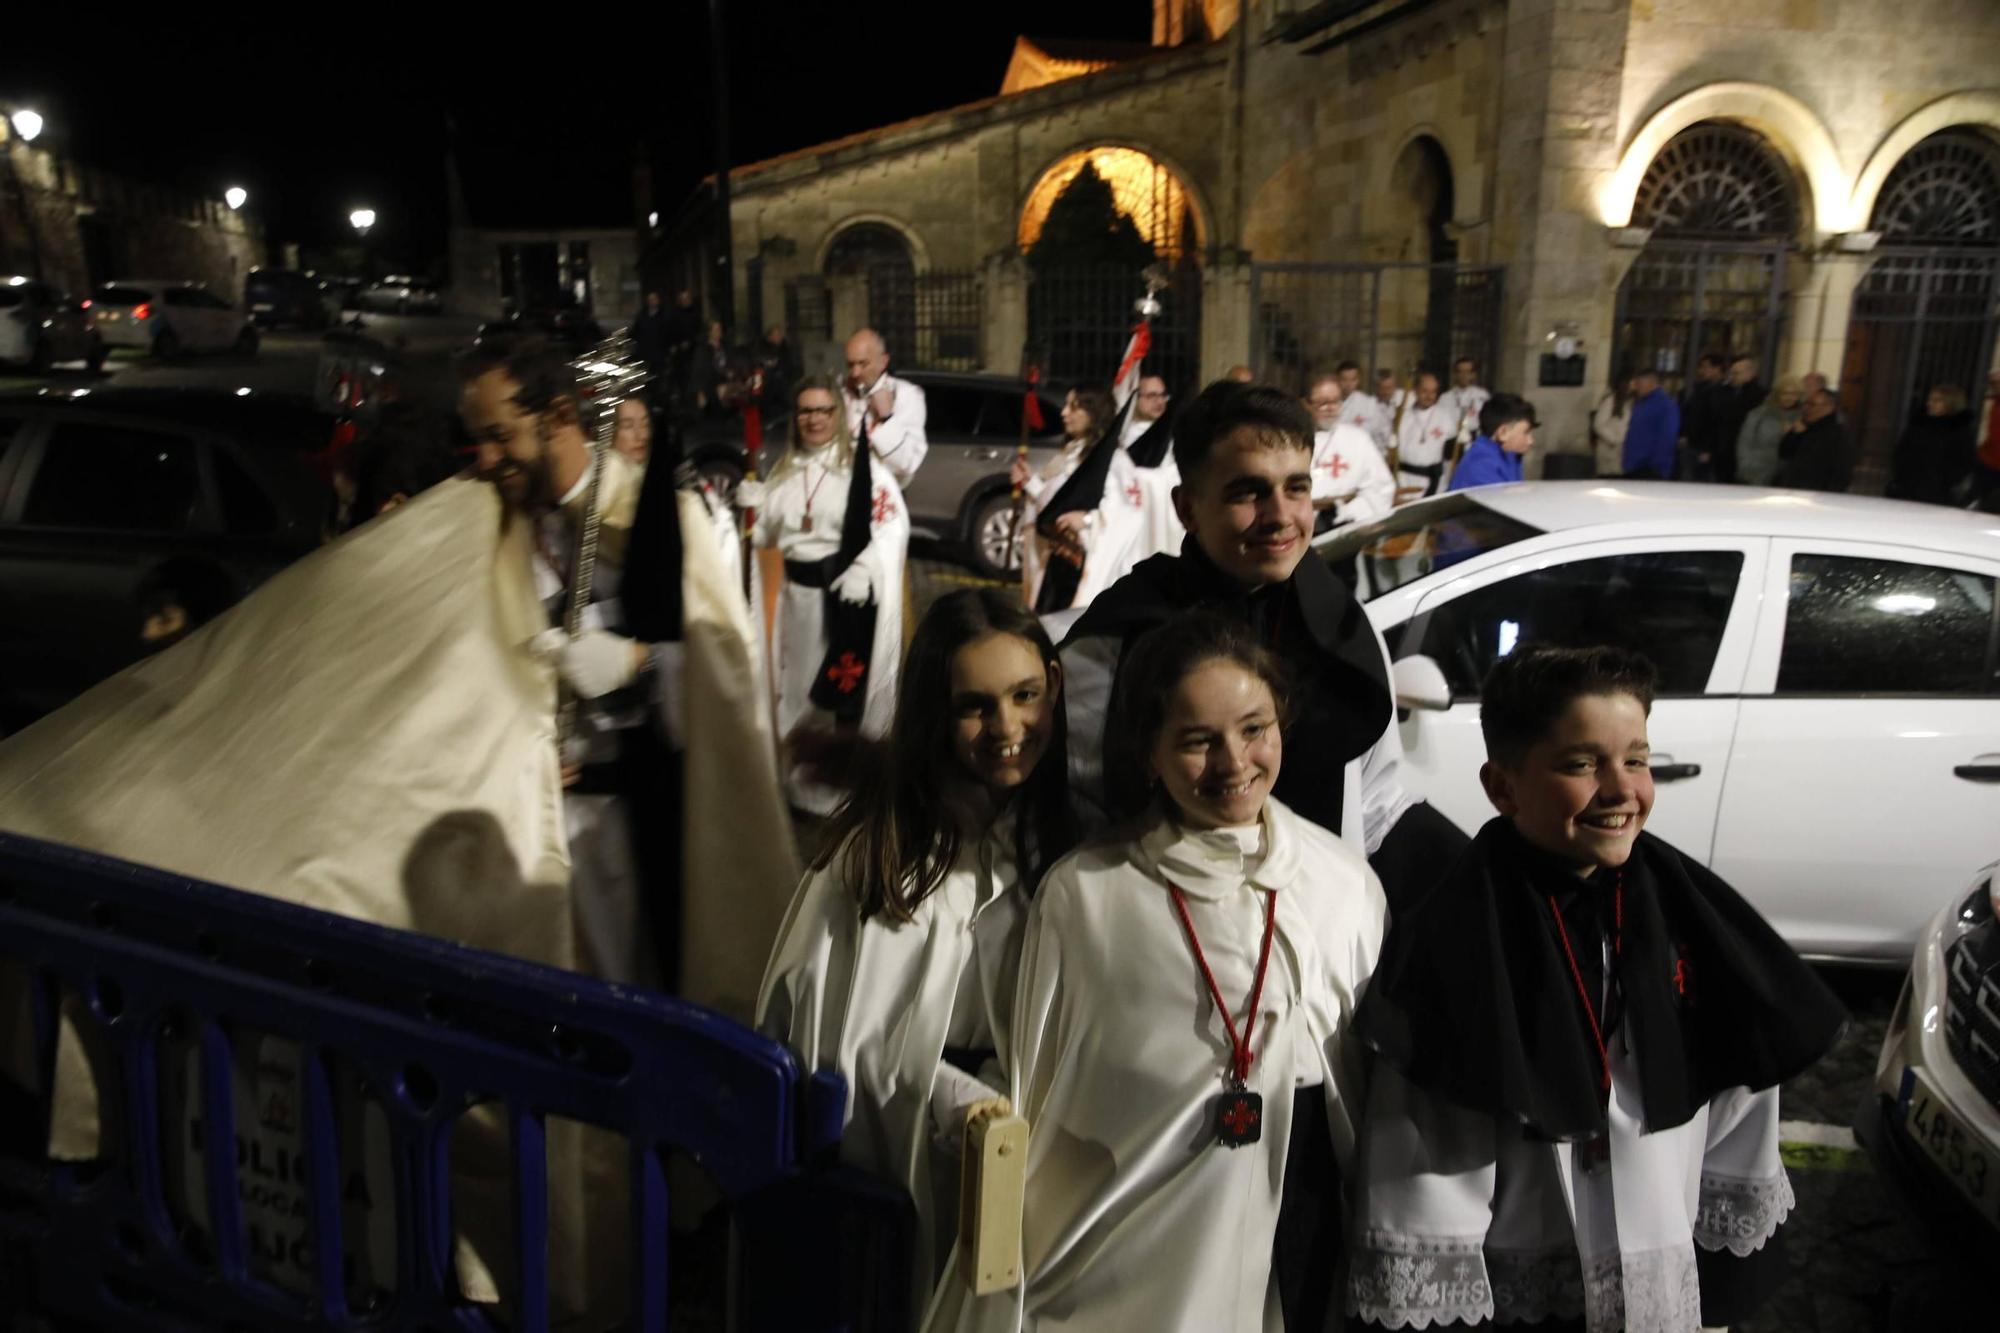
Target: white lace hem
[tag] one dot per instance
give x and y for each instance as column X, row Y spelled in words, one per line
column 1533, row 1285
column 1740, row 1216
column 1418, row 1282
column 1648, row 1291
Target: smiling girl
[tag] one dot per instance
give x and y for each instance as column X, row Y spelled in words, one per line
column 1181, row 1046
column 896, row 964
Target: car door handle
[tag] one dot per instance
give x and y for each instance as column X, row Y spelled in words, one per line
column 991, row 455
column 1675, row 772
column 1978, row 772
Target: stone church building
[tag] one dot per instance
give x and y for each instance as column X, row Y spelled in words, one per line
column 1815, row 182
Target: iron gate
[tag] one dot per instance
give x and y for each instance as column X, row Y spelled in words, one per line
column 1310, row 317
column 1080, row 319
column 1686, row 298
column 1922, row 317
column 930, row 321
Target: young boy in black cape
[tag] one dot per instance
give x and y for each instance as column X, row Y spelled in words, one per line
column 1580, row 1032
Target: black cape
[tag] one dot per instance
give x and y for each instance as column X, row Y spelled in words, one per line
column 1340, row 687
column 1152, row 447
column 1081, row 492
column 839, row 687
column 1473, row 998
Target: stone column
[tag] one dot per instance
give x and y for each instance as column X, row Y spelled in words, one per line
column 1819, row 300
column 1225, row 314
column 1564, row 66
column 1003, row 321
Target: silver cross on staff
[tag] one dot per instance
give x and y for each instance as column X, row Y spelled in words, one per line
column 1155, row 278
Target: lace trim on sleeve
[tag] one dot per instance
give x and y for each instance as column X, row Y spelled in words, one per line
column 1741, row 1215
column 1649, row 1291
column 1419, row 1282
column 1530, row 1286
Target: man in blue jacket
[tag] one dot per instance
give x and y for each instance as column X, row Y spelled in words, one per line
column 1654, row 431
column 1506, row 432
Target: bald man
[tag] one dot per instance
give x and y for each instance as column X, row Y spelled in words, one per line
column 885, row 411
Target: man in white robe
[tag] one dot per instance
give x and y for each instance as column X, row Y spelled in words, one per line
column 1351, row 483
column 886, row 411
column 1425, row 440
column 1358, row 408
column 1466, row 397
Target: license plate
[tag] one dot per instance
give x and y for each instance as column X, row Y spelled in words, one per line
column 1969, row 1162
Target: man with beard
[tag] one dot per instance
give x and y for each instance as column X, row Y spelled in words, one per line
column 1246, row 498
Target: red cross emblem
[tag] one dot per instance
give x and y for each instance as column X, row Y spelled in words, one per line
column 1240, row 1118
column 847, row 672
column 1337, row 466
column 885, row 507
column 1132, row 494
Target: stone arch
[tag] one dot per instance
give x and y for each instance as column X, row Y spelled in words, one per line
column 1980, row 108
column 1459, row 162
column 1421, row 193
column 1718, row 180
column 1058, row 170
column 920, row 258
column 1786, row 123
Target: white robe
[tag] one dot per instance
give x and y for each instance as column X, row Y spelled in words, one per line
column 1461, row 1217
column 1361, row 409
column 1345, row 461
column 876, row 1001
column 1038, row 490
column 1425, row 434
column 1135, row 1216
column 812, row 485
column 1465, row 404
column 900, row 442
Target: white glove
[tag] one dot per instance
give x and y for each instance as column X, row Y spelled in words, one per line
column 596, row 662
column 855, row 586
column 750, row 495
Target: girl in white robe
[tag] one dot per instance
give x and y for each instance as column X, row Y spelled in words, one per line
column 1100, row 522
column 820, row 489
column 896, row 965
column 1158, row 1143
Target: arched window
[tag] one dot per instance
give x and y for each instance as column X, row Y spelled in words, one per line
column 1143, row 188
column 1717, row 180
column 1945, row 191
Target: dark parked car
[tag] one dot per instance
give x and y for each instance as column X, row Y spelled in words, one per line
column 960, row 495
column 40, row 325
column 122, row 506
column 276, row 297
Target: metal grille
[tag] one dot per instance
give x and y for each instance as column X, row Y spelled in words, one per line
column 943, row 320
column 1922, row 317
column 808, row 311
column 1684, row 298
column 1310, row 317
column 1972, row 1013
column 1080, row 318
column 1945, row 191
column 1716, row 179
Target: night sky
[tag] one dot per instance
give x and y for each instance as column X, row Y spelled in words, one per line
column 549, row 116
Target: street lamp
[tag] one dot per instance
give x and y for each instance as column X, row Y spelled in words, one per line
column 235, row 196
column 363, row 219
column 27, row 128
column 28, row 124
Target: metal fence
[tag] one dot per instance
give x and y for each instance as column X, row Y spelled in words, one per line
column 930, row 320
column 1310, row 317
column 1922, row 317
column 1080, row 319
column 1683, row 299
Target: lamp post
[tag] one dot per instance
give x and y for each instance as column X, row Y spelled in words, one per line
column 361, row 219
column 235, row 196
column 27, row 126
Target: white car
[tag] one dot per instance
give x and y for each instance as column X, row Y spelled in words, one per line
column 1933, row 1121
column 1827, row 733
column 40, row 326
column 170, row 318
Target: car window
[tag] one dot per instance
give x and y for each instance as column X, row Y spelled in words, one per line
column 9, row 428
column 114, row 477
column 246, row 510
column 1377, row 558
column 1002, row 415
column 1855, row 626
column 179, row 296
column 1670, row 605
column 950, row 409
column 122, row 296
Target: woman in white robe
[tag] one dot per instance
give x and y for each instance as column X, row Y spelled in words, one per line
column 820, row 488
column 897, row 963
column 1139, row 1214
column 1103, row 526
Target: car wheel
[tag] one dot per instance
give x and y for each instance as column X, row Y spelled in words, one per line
column 97, row 356
column 996, row 542
column 41, row 357
column 246, row 341
column 167, row 346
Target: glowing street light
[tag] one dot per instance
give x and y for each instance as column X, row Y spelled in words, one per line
column 363, row 219
column 235, row 196
column 28, row 124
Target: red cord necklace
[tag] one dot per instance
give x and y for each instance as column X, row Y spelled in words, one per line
column 1576, row 973
column 1239, row 1113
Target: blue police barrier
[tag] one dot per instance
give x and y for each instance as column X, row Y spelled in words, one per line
column 160, row 968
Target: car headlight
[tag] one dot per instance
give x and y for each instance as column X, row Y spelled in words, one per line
column 1981, row 905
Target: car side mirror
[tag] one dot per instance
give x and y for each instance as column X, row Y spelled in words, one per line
column 1419, row 682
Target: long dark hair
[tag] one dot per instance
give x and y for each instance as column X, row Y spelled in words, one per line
column 1153, row 669
column 899, row 833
